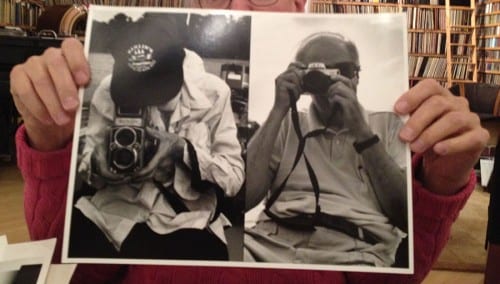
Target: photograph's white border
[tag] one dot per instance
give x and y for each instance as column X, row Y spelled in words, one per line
column 138, row 10
column 28, row 253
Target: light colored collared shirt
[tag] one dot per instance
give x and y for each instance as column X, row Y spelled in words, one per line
column 345, row 188
column 202, row 115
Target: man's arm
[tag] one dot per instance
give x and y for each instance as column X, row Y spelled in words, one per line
column 388, row 181
column 260, row 147
column 387, row 178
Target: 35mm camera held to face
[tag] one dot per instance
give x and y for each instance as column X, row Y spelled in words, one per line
column 317, row 78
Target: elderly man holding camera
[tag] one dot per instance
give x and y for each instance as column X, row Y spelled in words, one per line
column 336, row 172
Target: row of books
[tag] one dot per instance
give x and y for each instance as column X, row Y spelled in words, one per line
column 489, row 31
column 488, row 19
column 59, row 2
column 462, row 69
column 461, row 38
column 404, row 2
column 19, row 13
column 488, row 42
column 322, row 8
column 162, row 3
column 491, row 7
column 435, row 67
column 435, row 44
column 462, row 50
column 355, row 9
column 424, row 18
column 490, row 66
column 460, row 17
column 489, row 53
column 429, row 67
column 427, row 43
column 151, row 3
column 489, row 78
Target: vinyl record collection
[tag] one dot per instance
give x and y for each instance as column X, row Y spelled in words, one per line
column 24, row 13
column 152, row 3
column 20, row 13
column 437, row 44
column 488, row 23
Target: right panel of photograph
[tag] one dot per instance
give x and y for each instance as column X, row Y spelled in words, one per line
column 327, row 178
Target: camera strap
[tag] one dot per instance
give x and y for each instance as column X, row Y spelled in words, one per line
column 306, row 223
column 203, row 185
column 172, row 197
column 197, row 183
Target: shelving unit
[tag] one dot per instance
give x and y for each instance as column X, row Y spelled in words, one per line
column 488, row 38
column 25, row 13
column 441, row 38
column 22, row 13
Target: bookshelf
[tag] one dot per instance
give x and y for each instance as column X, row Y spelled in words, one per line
column 488, row 38
column 441, row 38
column 20, row 13
column 25, row 13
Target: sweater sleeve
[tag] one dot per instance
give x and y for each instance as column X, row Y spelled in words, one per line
column 433, row 216
column 45, row 177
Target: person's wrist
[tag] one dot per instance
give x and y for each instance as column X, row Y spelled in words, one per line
column 362, row 145
column 442, row 185
column 46, row 139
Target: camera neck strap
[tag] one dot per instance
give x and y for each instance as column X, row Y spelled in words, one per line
column 197, row 183
column 300, row 152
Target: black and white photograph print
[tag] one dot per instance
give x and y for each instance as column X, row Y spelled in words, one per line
column 228, row 138
column 158, row 157
column 327, row 184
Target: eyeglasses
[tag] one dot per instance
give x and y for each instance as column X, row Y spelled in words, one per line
column 347, row 69
column 217, row 4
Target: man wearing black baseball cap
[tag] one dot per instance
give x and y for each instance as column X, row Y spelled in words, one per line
column 161, row 150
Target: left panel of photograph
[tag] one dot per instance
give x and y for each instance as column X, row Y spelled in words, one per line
column 157, row 166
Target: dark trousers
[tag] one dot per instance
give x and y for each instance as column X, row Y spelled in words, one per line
column 88, row 241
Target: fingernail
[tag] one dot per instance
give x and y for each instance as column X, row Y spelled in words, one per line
column 407, row 133
column 418, row 146
column 402, row 107
column 81, row 77
column 70, row 103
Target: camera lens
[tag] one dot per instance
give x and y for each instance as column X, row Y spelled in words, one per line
column 316, row 82
column 125, row 136
column 124, row 159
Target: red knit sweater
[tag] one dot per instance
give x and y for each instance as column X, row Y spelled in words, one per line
column 46, row 180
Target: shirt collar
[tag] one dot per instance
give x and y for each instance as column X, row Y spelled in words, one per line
column 192, row 96
column 314, row 122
